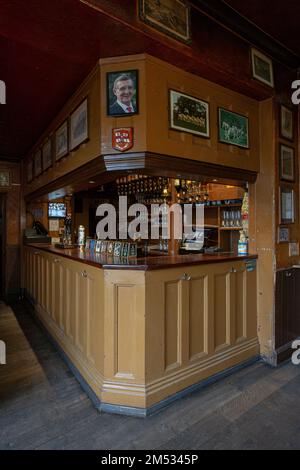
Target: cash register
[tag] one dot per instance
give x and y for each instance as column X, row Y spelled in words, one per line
column 36, row 234
column 202, row 242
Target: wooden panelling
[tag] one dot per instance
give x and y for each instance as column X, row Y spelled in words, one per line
column 172, row 324
column 198, row 313
column 287, row 307
column 153, row 118
column 125, row 331
column 240, row 304
column 138, row 337
column 87, row 151
column 221, row 307
column 217, row 316
column 69, row 301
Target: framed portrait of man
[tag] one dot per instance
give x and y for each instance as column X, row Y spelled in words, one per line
column 122, row 93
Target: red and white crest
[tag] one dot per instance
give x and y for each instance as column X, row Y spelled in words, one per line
column 122, row 138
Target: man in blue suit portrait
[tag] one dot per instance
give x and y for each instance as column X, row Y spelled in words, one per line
column 123, row 89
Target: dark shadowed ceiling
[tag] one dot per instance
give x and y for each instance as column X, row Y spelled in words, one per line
column 280, row 19
column 48, row 47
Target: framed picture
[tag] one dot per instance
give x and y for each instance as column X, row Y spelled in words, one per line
column 171, row 17
column 283, row 235
column 61, row 141
column 233, row 128
column 188, row 114
column 30, row 170
column 286, row 123
column 79, row 125
column 122, row 93
column 262, row 68
column 38, row 162
column 287, row 203
column 4, row 179
column 47, row 154
column 287, row 163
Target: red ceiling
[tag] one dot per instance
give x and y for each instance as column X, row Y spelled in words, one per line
column 48, row 47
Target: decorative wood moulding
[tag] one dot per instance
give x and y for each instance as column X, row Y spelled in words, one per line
column 166, row 165
column 149, row 163
column 85, row 172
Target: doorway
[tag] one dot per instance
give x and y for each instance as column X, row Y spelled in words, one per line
column 2, row 244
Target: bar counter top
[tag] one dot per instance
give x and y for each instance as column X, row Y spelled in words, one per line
column 144, row 264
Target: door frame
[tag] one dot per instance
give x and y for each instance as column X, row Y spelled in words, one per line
column 3, row 198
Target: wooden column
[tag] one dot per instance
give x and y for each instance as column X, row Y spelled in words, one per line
column 173, row 244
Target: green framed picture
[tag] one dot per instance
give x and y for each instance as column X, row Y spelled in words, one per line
column 233, row 128
column 189, row 114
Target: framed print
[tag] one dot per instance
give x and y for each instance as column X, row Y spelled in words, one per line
column 189, row 114
column 79, row 125
column 61, row 141
column 262, row 68
column 4, row 179
column 122, row 93
column 30, row 170
column 47, row 154
column 171, row 17
column 283, row 235
column 287, row 203
column 38, row 163
column 286, row 123
column 287, row 163
column 233, row 128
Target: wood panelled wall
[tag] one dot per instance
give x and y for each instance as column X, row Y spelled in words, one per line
column 138, row 337
column 12, row 229
column 151, row 125
column 283, row 260
column 87, row 151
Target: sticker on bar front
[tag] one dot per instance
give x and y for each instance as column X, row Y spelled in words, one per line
column 122, row 138
column 251, row 265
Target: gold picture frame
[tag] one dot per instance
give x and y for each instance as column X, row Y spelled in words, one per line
column 172, row 17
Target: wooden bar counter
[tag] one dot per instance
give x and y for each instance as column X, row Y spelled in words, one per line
column 142, row 331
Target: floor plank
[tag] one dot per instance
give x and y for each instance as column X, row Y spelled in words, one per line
column 42, row 406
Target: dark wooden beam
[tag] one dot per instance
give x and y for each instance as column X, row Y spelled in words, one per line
column 225, row 15
column 167, row 165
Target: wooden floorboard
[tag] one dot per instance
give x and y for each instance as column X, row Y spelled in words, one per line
column 42, row 406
